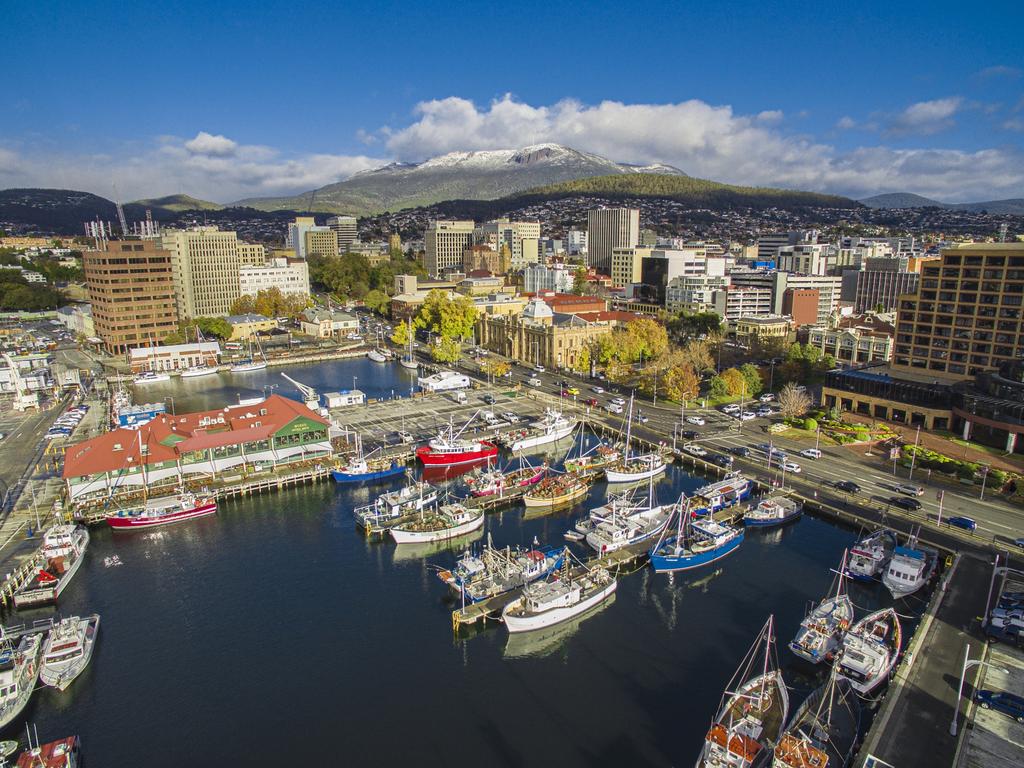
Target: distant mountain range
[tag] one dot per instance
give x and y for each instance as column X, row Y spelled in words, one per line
column 1013, row 206
column 483, row 175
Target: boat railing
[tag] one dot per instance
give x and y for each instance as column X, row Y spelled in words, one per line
column 36, row 627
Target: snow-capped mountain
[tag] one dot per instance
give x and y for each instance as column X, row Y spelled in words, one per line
column 481, row 175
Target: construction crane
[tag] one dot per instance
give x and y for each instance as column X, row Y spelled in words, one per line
column 309, row 395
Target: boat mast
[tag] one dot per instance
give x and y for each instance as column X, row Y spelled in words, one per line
column 629, row 429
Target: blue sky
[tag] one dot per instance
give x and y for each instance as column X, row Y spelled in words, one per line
column 227, row 99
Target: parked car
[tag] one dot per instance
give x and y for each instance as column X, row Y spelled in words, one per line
column 739, row 450
column 1009, row 635
column 731, row 408
column 903, row 502
column 1008, row 703
column 811, row 453
column 689, row 434
column 533, row 381
column 1012, row 615
column 747, row 416
column 597, row 390
column 788, row 465
column 539, row 368
column 405, row 437
column 641, row 418
column 848, row 485
column 960, row 521
column 510, row 417
column 723, row 461
column 764, row 411
column 767, row 397
column 489, row 399
column 694, row 450
column 695, row 420
column 910, row 490
column 618, row 401
column 1019, row 542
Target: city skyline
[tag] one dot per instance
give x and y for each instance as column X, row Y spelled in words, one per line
column 795, row 96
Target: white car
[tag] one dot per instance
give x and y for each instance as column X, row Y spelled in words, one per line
column 534, row 381
column 731, row 408
column 597, row 390
column 791, row 466
column 405, row 437
column 694, row 450
column 613, row 408
column 618, row 401
column 767, row 397
column 695, row 420
column 747, row 416
column 811, row 453
column 539, row 368
column 510, row 417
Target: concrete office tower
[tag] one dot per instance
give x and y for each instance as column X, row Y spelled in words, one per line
column 131, row 288
column 347, row 231
column 576, row 242
column 806, row 258
column 607, row 229
column 626, row 265
column 252, row 254
column 445, row 244
column 319, row 241
column 289, row 277
column 205, row 262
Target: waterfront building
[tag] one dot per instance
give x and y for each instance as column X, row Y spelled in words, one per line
column 194, row 449
column 205, row 264
column 855, row 339
column 174, row 357
column 346, row 232
column 132, row 293
column 446, row 243
column 607, row 229
column 247, row 326
column 289, row 277
column 627, row 265
column 327, row 323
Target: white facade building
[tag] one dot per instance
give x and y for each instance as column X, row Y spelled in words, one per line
column 555, row 277
column 290, row 277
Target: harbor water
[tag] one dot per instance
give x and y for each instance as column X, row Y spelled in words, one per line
column 275, row 634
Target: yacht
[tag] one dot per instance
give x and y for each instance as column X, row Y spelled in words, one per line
column 408, row 360
column 200, row 370
column 910, row 568
column 151, row 377
column 870, row 555
column 63, row 551
column 546, row 603
column 633, row 468
column 19, row 670
column 251, row 363
column 68, row 650
column 870, row 650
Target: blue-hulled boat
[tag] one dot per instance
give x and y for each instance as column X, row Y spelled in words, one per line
column 776, row 510
column 732, row 489
column 694, row 543
column 359, row 471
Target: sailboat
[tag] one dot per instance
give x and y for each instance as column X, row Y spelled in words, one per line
column 409, row 359
column 823, row 732
column 251, row 363
column 821, row 632
column 150, row 376
column 694, row 542
column 202, row 369
column 378, row 354
column 753, row 711
column 634, row 468
column 870, row 650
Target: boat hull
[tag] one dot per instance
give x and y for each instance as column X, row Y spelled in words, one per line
column 770, row 523
column 412, row 365
column 543, row 439
column 515, row 624
column 431, row 459
column 61, row 678
column 422, row 537
column 618, row 476
column 248, row 368
column 341, row 476
column 376, row 356
column 135, row 522
column 195, row 373
column 554, row 501
column 684, row 562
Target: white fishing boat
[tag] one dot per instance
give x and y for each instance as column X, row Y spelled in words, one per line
column 821, row 632
column 409, row 359
column 449, row 521
column 19, row 670
column 618, row 504
column 870, row 555
column 546, row 603
column 631, row 468
column 642, row 522
column 68, row 650
column 870, row 650
column 753, row 712
column 776, row 510
column 550, row 428
column 910, row 568
column 62, row 552
column 254, row 362
column 496, row 571
column 394, row 504
column 730, row 490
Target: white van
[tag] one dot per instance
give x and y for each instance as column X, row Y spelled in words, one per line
column 534, row 381
column 458, row 396
column 613, row 408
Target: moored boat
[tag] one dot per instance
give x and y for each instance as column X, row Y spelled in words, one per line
column 63, row 551
column 151, row 377
column 497, row 482
column 694, row 542
column 68, row 650
column 910, row 568
column 362, row 471
column 776, row 510
column 395, row 504
column 550, row 428
column 870, row 650
column 753, row 712
column 824, row 730
column 162, row 511
column 546, row 603
column 600, row 458
column 408, row 360
column 449, row 448
column 633, row 525
column 556, row 490
column 631, row 469
column 449, row 521
column 19, row 670
column 821, row 632
column 63, row 753
column 198, row 371
column 496, row 571
column 870, row 555
column 730, row 490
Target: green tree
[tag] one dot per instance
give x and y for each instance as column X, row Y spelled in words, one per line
column 718, row 388
column 579, row 280
column 689, row 325
column 400, row 336
column 243, row 305
column 697, row 354
column 648, row 339
column 378, row 301
column 582, row 362
column 447, row 317
column 752, row 377
column 446, row 350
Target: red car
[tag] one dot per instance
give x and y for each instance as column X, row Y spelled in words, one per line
column 591, row 401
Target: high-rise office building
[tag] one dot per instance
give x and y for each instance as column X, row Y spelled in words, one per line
column 319, row 241
column 445, row 243
column 288, row 276
column 966, row 316
column 607, row 229
column 877, row 289
column 131, row 288
column 576, row 242
column 627, row 265
column 252, row 254
column 521, row 237
column 347, row 231
column 206, row 263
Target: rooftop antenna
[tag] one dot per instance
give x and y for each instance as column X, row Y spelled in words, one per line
column 1002, row 232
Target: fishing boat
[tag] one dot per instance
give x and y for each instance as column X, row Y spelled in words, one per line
column 251, row 363
column 600, row 458
column 449, row 448
column 821, row 632
column 151, row 377
column 870, row 650
column 496, row 482
column 642, row 522
column 775, row 510
column 68, row 650
column 618, row 504
column 823, row 732
column 630, row 468
column 409, row 359
column 870, row 555
column 449, row 521
column 753, row 712
column 692, row 543
column 394, row 504
column 63, row 753
column 550, row 428
column 910, row 568
column 62, row 552
column 730, row 490
column 556, row 490
column 496, row 571
column 363, row 470
column 543, row 642
column 546, row 603
column 19, row 670
column 163, row 511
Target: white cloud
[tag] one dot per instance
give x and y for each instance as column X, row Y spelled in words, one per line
column 846, row 123
column 924, row 117
column 1000, row 70
column 207, row 144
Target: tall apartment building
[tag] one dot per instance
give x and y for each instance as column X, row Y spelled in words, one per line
column 829, row 288
column 576, row 242
column 131, row 289
column 289, row 277
column 662, row 266
column 319, row 241
column 694, row 293
column 806, row 258
column 966, row 316
column 521, row 237
column 252, row 254
column 554, row 277
column 445, row 243
column 346, row 230
column 607, row 229
column 206, row 263
column 868, row 289
column 627, row 265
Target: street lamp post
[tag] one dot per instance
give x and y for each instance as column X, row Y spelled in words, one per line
column 968, row 662
column 913, row 456
column 984, row 478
